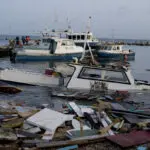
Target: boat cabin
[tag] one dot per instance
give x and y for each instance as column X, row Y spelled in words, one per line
column 60, row 46
column 56, row 45
column 111, row 47
column 114, row 78
column 79, row 36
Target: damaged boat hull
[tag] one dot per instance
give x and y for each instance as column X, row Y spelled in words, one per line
column 27, row 77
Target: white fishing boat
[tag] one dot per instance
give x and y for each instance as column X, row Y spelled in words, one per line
column 104, row 78
column 79, row 38
column 114, row 52
column 49, row 78
column 49, row 48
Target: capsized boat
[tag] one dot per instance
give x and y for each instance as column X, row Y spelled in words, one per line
column 115, row 52
column 49, row 78
column 109, row 77
column 49, row 48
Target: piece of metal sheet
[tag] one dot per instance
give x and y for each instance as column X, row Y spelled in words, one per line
column 130, row 139
column 49, row 119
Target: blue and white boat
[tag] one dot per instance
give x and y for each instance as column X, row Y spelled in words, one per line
column 115, row 52
column 49, row 48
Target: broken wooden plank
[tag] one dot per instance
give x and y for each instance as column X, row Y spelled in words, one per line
column 78, row 141
column 27, row 134
column 13, row 123
column 31, row 143
column 126, row 112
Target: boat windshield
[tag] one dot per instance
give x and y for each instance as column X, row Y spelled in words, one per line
column 79, row 36
column 115, row 47
column 103, row 75
column 82, row 37
column 46, row 40
column 103, row 47
column 67, row 43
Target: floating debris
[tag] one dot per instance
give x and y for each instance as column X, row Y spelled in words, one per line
column 106, row 120
column 6, row 88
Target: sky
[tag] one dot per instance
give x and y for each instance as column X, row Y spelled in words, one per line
column 127, row 19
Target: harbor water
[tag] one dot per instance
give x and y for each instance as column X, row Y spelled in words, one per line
column 36, row 95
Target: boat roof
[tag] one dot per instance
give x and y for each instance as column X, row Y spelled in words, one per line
column 57, row 39
column 79, row 33
column 110, row 66
column 61, row 39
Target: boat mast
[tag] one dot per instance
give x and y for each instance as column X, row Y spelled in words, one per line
column 89, row 25
column 69, row 25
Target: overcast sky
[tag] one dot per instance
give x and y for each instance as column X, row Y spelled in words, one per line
column 117, row 18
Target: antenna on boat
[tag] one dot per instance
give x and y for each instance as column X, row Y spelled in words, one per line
column 113, row 35
column 68, row 24
column 89, row 25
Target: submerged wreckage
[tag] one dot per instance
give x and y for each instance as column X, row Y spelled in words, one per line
column 104, row 77
column 84, row 77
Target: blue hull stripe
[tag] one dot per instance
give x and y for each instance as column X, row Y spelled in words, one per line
column 45, row 58
column 115, row 56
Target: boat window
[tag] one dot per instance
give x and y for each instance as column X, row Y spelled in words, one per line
column 109, row 47
column 82, row 37
column 90, row 73
column 103, row 75
column 116, row 76
column 74, row 37
column 46, row 40
column 69, row 37
column 118, row 48
column 106, row 48
column 114, row 47
column 53, row 45
column 78, row 37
